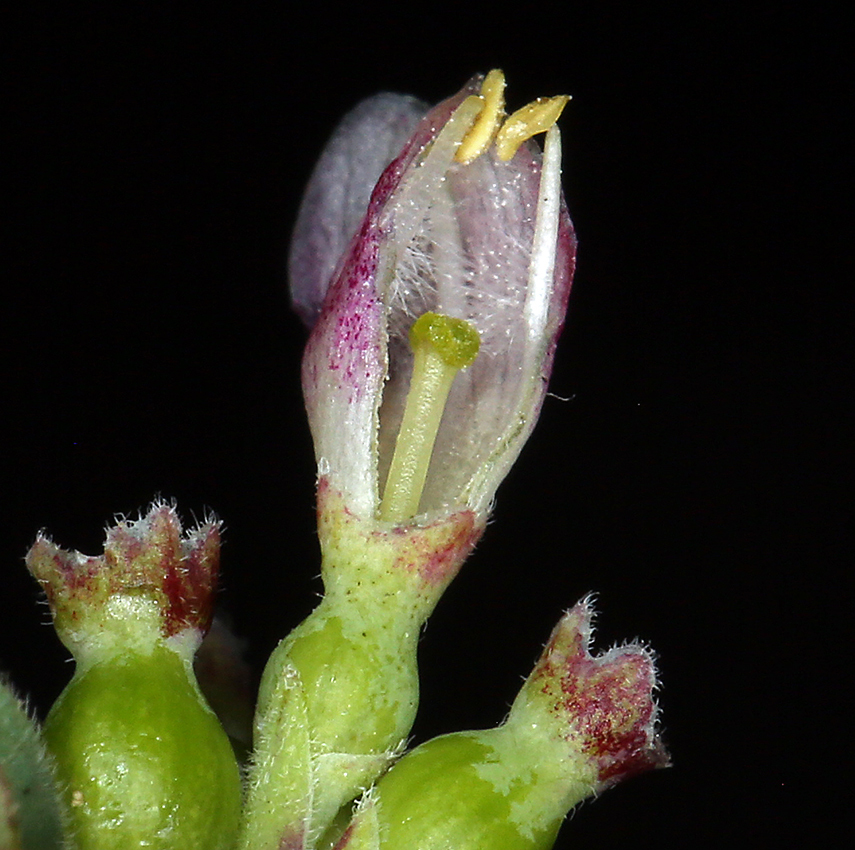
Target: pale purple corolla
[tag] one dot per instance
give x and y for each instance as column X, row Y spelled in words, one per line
column 487, row 241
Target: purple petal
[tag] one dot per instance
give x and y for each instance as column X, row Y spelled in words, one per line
column 336, row 198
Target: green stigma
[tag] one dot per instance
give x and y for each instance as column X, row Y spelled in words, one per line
column 442, row 345
column 455, row 341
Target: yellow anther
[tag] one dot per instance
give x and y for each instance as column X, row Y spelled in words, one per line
column 537, row 117
column 478, row 139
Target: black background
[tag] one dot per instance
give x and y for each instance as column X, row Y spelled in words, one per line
column 157, row 162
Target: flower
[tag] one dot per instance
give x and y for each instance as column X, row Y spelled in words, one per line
column 468, row 223
column 423, row 376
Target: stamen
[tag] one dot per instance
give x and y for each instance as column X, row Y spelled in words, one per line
column 441, row 346
column 536, row 117
column 478, row 139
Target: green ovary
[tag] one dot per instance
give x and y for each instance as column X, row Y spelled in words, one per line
column 457, row 792
column 360, row 697
column 144, row 761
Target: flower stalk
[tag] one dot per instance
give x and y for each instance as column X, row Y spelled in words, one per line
column 339, row 694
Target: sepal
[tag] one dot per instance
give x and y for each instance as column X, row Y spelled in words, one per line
column 153, row 582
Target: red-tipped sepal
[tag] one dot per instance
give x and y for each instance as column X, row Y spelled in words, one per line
column 602, row 706
column 152, row 579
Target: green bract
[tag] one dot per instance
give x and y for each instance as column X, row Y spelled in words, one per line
column 30, row 811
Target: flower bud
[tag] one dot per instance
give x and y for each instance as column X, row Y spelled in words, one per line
column 580, row 724
column 143, row 760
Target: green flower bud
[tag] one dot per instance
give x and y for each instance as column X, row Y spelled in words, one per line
column 142, row 758
column 30, row 809
column 579, row 725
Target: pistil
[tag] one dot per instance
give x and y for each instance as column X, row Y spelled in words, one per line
column 441, row 345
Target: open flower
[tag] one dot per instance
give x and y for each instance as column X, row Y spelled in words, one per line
column 467, row 224
column 427, row 364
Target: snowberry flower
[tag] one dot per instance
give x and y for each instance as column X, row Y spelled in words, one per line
column 431, row 346
column 467, row 223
